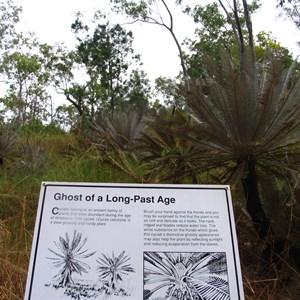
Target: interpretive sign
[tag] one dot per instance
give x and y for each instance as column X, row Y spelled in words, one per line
column 134, row 241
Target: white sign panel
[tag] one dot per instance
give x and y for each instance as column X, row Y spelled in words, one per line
column 130, row 241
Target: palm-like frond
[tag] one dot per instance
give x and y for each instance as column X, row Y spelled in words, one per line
column 116, row 137
column 121, row 129
column 214, row 288
column 238, row 122
column 166, row 156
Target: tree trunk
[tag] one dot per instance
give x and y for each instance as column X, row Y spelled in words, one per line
column 253, row 201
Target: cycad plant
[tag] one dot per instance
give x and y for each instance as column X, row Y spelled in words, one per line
column 119, row 130
column 165, row 155
column 247, row 123
column 185, row 276
column 112, row 270
column 68, row 258
column 115, row 138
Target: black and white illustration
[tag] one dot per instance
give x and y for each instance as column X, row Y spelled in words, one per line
column 112, row 270
column 185, row 276
column 69, row 256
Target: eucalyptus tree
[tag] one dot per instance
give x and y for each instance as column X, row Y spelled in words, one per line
column 24, row 71
column 106, row 56
column 65, row 117
column 9, row 17
column 217, row 31
column 26, row 78
column 166, row 90
column 137, row 93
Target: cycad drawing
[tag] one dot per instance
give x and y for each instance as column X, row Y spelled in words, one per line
column 185, row 276
column 69, row 256
column 111, row 270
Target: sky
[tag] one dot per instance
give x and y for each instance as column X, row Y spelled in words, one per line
column 51, row 20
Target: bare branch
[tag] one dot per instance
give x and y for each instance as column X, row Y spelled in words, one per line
column 250, row 30
column 170, row 14
column 231, row 21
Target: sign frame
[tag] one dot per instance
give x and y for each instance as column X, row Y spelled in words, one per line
column 151, row 207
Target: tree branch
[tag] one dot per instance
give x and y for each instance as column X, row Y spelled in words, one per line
column 170, row 14
column 250, row 30
column 232, row 24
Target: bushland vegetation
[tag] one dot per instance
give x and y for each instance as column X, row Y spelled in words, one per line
column 232, row 116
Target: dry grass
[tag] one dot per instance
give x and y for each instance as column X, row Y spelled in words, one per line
column 15, row 243
column 265, row 277
column 263, row 280
column 13, row 271
column 12, row 283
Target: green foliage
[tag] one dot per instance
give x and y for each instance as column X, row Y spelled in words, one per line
column 225, row 28
column 27, row 78
column 9, row 17
column 132, row 8
column 65, row 117
column 267, row 46
column 213, row 36
column 290, row 8
column 137, row 92
column 106, row 56
column 167, row 89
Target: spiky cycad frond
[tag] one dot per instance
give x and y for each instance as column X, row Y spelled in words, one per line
column 166, row 156
column 121, row 129
column 240, row 115
column 115, row 138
